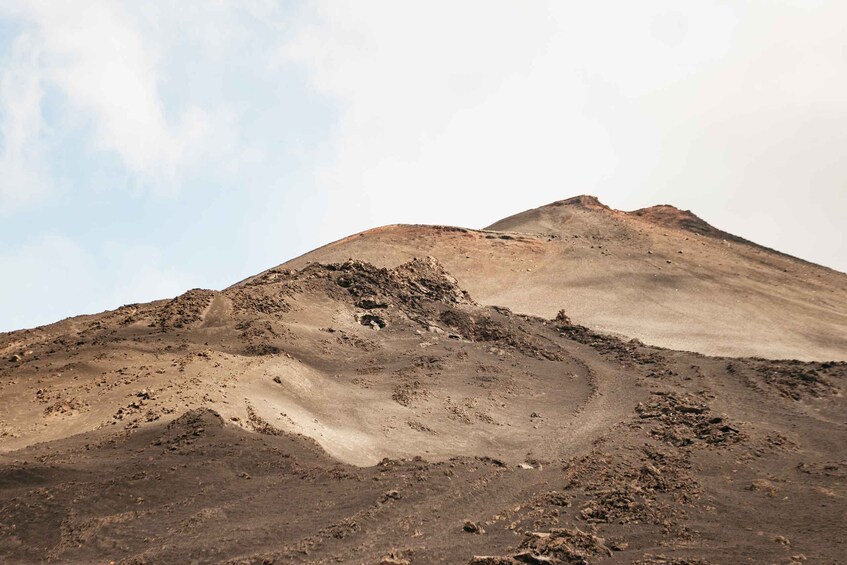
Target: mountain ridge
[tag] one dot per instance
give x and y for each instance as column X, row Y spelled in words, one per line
column 653, row 274
column 664, row 215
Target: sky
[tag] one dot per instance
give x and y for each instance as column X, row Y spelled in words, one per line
column 147, row 148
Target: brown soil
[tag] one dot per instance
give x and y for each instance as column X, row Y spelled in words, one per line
column 349, row 413
column 660, row 274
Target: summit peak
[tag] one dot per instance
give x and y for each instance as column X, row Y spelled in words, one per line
column 582, row 201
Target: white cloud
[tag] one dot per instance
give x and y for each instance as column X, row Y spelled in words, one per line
column 100, row 60
column 447, row 112
column 465, row 112
column 22, row 167
column 107, row 61
column 443, row 102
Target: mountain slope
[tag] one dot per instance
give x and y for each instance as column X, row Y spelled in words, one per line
column 371, row 363
column 347, row 413
column 660, row 275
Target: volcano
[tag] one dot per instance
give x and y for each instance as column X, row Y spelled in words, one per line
column 571, row 384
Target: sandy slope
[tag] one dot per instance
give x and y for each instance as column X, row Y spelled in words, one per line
column 660, row 275
column 298, row 352
column 344, row 412
column 251, row 425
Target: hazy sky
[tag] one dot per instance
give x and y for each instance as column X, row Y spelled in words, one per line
column 151, row 147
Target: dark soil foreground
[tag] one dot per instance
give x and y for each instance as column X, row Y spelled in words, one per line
column 198, row 490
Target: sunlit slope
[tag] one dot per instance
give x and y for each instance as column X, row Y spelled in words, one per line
column 659, row 274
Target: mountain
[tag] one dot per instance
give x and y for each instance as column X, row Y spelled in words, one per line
column 660, row 274
column 420, row 394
